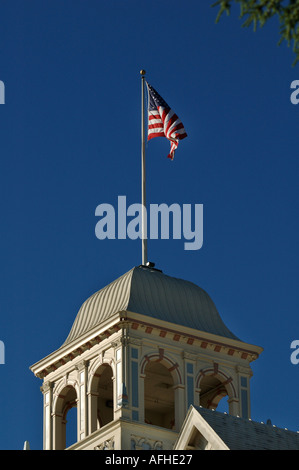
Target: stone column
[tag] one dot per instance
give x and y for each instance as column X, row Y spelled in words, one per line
column 82, row 403
column 234, row 406
column 92, row 400
column 179, row 401
column 47, row 390
column 121, row 389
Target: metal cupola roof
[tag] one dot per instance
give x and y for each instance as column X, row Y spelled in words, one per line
column 149, row 292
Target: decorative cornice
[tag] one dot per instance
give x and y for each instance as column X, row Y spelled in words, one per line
column 210, row 341
column 126, row 321
column 64, row 355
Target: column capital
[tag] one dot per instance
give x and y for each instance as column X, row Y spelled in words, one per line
column 81, row 365
column 47, row 386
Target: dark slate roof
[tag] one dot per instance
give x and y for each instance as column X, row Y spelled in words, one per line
column 152, row 293
column 244, row 434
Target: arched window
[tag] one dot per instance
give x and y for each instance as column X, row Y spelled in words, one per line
column 159, row 400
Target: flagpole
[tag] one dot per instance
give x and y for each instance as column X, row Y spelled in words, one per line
column 143, row 188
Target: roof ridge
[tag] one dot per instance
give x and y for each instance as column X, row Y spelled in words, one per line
column 226, row 415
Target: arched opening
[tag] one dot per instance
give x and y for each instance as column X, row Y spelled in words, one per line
column 66, row 418
column 223, row 405
column 101, row 397
column 159, row 403
column 71, row 427
column 212, row 392
column 105, row 405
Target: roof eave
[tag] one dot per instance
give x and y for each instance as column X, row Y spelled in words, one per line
column 68, row 348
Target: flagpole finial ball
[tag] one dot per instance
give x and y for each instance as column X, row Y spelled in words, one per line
column 142, row 72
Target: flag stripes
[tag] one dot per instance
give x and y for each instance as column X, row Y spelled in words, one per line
column 163, row 122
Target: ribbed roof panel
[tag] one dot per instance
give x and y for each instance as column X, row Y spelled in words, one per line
column 154, row 294
column 101, row 306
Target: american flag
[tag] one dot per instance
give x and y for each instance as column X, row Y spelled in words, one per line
column 163, row 122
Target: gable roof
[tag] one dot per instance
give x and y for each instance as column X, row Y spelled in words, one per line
column 234, row 433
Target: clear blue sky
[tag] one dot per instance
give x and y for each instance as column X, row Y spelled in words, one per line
column 70, row 140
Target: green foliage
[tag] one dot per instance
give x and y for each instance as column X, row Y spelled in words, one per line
column 258, row 12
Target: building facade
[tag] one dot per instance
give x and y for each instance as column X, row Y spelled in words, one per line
column 141, row 353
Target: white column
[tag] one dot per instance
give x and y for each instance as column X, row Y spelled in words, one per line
column 47, row 389
column 82, row 402
column 179, row 401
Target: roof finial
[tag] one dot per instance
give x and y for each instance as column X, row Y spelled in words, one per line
column 26, row 445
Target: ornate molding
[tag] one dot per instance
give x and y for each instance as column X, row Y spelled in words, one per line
column 142, row 443
column 80, row 366
column 106, row 445
column 46, row 387
column 189, row 356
